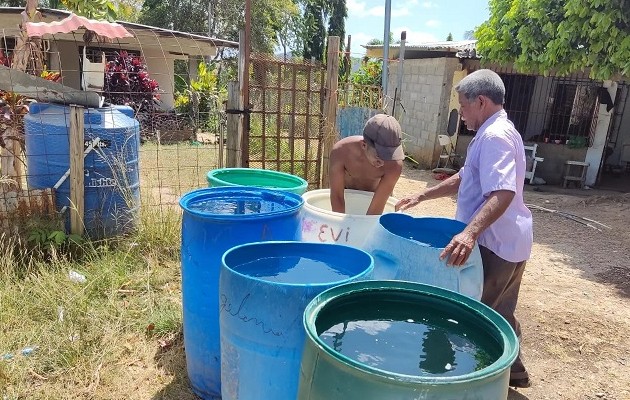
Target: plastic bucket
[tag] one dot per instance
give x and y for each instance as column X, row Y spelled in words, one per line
column 215, row 220
column 258, row 178
column 264, row 289
column 327, row 373
column 321, row 224
column 408, row 248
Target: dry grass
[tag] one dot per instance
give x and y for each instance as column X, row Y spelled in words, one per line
column 89, row 338
column 118, row 335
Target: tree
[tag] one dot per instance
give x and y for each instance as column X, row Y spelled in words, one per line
column 469, row 35
column 369, row 74
column 379, row 42
column 93, row 9
column 449, row 38
column 560, row 35
column 180, row 15
column 220, row 18
column 318, row 13
column 314, row 30
column 128, row 10
column 290, row 29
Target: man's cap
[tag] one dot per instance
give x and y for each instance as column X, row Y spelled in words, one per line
column 385, row 134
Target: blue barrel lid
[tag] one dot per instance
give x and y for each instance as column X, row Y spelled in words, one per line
column 235, row 203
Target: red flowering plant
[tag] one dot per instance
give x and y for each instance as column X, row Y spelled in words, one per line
column 127, row 82
column 4, row 59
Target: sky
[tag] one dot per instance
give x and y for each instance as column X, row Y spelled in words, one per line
column 424, row 21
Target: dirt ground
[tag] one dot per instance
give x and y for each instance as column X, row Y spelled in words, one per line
column 574, row 304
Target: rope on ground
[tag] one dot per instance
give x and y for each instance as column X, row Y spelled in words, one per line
column 573, row 217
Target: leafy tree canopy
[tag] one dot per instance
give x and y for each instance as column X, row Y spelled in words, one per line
column 560, row 35
column 222, row 18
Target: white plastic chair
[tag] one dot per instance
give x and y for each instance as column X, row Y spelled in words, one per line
column 448, row 152
column 529, row 174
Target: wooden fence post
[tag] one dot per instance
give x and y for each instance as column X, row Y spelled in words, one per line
column 235, row 119
column 330, row 105
column 234, row 126
column 77, row 187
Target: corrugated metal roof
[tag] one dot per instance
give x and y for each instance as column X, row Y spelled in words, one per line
column 460, row 48
column 451, row 46
column 50, row 14
column 73, row 22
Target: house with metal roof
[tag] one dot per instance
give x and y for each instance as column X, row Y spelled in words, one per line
column 569, row 118
column 64, row 51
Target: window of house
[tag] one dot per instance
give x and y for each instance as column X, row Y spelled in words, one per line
column 572, row 111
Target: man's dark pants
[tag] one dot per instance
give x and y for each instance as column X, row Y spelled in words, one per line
column 502, row 280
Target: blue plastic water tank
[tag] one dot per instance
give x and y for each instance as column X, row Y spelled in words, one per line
column 215, row 220
column 408, row 248
column 112, row 188
column 264, row 288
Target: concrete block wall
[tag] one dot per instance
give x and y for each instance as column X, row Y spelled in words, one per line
column 426, row 89
column 555, row 155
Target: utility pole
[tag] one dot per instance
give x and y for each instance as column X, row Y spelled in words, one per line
column 245, row 77
column 388, row 12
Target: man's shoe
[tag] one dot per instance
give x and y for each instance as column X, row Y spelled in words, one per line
column 520, row 383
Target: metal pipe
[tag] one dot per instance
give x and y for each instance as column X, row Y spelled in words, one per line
column 388, row 15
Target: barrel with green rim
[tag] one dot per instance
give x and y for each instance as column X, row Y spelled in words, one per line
column 258, row 178
column 346, row 368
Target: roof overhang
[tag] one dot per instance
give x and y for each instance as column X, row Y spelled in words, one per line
column 169, row 42
column 461, row 49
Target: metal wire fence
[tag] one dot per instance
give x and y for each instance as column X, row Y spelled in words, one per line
column 160, row 130
column 287, row 116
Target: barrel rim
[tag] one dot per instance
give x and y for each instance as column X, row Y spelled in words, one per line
column 213, row 175
column 313, row 193
column 434, row 218
column 211, row 192
column 509, row 339
column 240, row 247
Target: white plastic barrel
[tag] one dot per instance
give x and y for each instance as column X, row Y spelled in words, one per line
column 408, row 248
column 322, row 225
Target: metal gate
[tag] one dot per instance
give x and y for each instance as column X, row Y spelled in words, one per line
column 286, row 127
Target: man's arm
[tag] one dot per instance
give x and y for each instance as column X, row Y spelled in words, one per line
column 447, row 187
column 462, row 244
column 336, row 171
column 385, row 187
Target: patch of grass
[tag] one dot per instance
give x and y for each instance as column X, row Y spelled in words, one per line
column 102, row 338
column 176, row 168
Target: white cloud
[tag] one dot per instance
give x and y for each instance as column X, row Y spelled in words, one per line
column 428, row 4
column 359, row 39
column 414, row 37
column 355, row 8
column 432, row 23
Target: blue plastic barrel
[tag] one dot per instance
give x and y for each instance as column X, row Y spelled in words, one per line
column 215, row 220
column 408, row 248
column 263, row 291
column 112, row 188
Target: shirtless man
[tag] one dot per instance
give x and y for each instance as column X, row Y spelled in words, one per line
column 372, row 162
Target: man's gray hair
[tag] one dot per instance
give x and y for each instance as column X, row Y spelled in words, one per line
column 482, row 83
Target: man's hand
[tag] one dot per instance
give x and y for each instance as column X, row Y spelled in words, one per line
column 409, row 201
column 460, row 248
